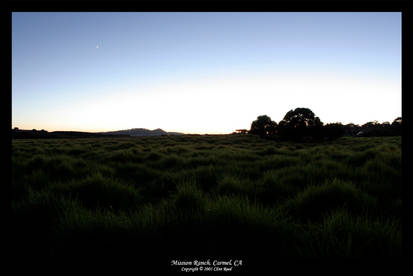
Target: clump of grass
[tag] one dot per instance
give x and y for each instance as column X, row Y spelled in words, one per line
column 239, row 210
column 360, row 157
column 33, row 221
column 237, row 154
column 197, row 161
column 98, row 191
column 381, row 180
column 269, row 151
column 279, row 161
column 206, row 177
column 37, row 162
column 274, row 189
column 124, row 156
column 312, row 203
column 61, row 167
column 231, row 185
column 339, row 154
column 125, row 145
column 37, row 209
column 77, row 150
column 135, row 173
column 392, row 158
column 161, row 187
column 318, row 171
column 235, row 225
column 188, row 198
column 169, row 162
column 345, row 235
column 37, row 179
column 294, row 176
column 153, row 156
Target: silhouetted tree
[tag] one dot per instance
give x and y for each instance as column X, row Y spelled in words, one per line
column 351, row 129
column 374, row 128
column 370, row 124
column 263, row 126
column 299, row 117
column 333, row 130
column 300, row 122
column 396, row 126
column 397, row 121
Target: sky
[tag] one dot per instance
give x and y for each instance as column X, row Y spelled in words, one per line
column 202, row 72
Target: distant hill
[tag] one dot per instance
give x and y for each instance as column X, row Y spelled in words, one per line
column 33, row 134
column 141, row 132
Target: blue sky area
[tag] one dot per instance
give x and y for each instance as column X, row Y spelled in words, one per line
column 202, row 72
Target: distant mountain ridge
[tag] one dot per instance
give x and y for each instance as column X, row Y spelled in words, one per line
column 33, row 134
column 141, row 132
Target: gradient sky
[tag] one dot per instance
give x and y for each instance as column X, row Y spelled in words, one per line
column 202, row 72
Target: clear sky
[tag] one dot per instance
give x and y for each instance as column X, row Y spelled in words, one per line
column 202, row 72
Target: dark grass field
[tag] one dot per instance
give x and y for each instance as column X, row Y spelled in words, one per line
column 154, row 199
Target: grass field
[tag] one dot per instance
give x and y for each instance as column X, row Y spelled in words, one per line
column 206, row 195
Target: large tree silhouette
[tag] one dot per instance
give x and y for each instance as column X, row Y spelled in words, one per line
column 300, row 122
column 263, row 126
column 301, row 117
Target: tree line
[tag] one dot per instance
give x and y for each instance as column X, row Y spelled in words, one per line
column 302, row 124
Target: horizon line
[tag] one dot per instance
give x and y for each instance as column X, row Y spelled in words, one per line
column 182, row 132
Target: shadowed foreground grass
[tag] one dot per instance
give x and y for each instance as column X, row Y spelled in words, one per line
column 206, row 196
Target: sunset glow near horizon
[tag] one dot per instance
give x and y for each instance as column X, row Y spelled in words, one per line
column 202, row 72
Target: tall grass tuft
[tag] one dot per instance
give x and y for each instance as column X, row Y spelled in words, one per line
column 315, row 201
column 206, row 177
column 97, row 191
column 343, row 234
column 274, row 188
column 189, row 198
